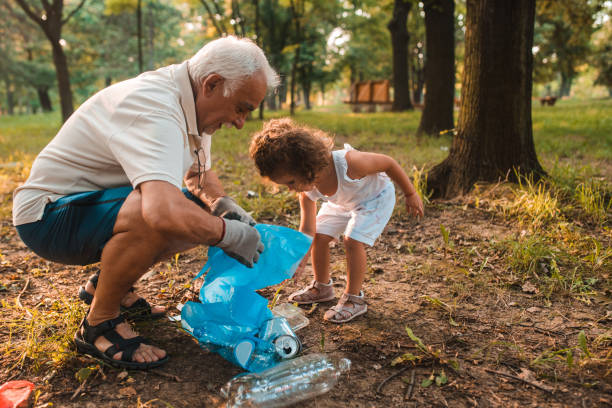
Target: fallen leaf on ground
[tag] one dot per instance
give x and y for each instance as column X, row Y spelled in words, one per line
column 528, row 287
column 127, row 391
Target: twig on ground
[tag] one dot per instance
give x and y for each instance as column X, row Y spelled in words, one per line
column 78, row 390
column 18, row 300
column 408, row 393
column 166, row 375
column 392, row 376
column 514, row 377
column 540, row 330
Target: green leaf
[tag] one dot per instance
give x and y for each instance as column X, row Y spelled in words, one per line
column 441, row 379
column 569, row 356
column 445, row 234
column 426, row 382
column 582, row 342
column 83, row 374
column 454, row 364
column 418, row 341
column 404, row 357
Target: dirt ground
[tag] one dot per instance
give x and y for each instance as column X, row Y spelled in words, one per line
column 482, row 318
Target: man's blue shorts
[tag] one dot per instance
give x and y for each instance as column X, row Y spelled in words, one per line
column 75, row 228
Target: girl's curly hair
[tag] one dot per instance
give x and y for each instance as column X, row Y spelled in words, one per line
column 284, row 147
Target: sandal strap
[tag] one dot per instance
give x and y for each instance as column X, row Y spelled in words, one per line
column 107, row 330
column 347, row 297
column 139, row 306
column 126, row 346
column 315, row 285
column 91, row 333
column 94, row 281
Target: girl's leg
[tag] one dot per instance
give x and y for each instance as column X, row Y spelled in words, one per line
column 356, row 264
column 351, row 303
column 320, row 290
column 320, row 257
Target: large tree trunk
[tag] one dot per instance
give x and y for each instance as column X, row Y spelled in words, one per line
column 439, row 67
column 10, row 97
column 399, row 44
column 43, row 98
column 566, row 84
column 494, row 134
column 63, row 79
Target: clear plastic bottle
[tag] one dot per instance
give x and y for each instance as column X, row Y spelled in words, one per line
column 286, row 383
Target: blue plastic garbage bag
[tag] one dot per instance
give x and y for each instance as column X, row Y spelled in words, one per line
column 231, row 311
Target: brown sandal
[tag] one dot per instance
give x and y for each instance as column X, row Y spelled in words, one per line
column 316, row 292
column 348, row 307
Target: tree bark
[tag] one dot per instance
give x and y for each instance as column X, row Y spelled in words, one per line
column 43, row 98
column 494, row 133
column 51, row 22
column 399, row 43
column 439, row 67
column 10, row 97
column 139, row 33
column 63, row 79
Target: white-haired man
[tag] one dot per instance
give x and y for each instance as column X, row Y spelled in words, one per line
column 108, row 187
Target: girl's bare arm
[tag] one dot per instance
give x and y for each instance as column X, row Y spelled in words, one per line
column 361, row 164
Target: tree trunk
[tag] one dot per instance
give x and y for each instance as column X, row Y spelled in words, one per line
column 63, row 79
column 10, row 98
column 494, row 133
column 440, row 67
column 43, row 98
column 399, row 43
column 139, row 33
column 566, row 85
column 296, row 58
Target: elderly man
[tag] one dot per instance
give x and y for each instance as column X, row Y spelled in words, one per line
column 108, row 187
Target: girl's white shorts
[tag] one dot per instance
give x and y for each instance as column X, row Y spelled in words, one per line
column 364, row 223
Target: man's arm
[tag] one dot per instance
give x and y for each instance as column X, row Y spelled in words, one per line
column 166, row 210
column 208, row 189
column 211, row 192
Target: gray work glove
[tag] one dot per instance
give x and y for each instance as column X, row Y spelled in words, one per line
column 227, row 208
column 242, row 242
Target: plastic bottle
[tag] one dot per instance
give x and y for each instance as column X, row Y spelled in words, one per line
column 286, row 383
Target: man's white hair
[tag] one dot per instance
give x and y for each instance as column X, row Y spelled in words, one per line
column 235, row 59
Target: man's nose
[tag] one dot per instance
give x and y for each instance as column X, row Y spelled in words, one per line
column 239, row 122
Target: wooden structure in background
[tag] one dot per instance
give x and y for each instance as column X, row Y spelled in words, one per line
column 365, row 96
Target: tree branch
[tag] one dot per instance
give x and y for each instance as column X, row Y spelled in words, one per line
column 73, row 12
column 34, row 15
column 211, row 15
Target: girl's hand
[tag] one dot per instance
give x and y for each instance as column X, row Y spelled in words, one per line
column 414, row 205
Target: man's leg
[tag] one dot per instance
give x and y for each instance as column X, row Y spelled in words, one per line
column 133, row 248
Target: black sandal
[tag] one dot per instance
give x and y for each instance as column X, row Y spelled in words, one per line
column 140, row 310
column 85, row 344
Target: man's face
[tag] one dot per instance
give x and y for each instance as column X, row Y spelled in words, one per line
column 214, row 110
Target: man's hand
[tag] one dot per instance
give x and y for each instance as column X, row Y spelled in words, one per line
column 227, row 208
column 242, row 242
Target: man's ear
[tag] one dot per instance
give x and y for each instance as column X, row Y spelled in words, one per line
column 212, row 82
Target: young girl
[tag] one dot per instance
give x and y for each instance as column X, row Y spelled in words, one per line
column 358, row 198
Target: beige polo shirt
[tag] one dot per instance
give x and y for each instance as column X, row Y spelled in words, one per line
column 134, row 131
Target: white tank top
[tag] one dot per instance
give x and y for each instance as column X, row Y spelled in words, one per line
column 351, row 192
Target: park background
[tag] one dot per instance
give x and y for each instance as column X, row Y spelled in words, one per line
column 500, row 296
